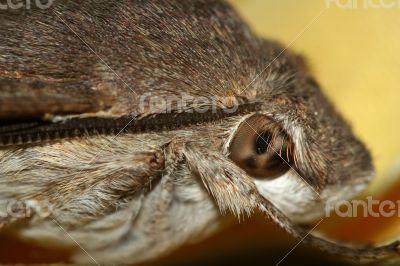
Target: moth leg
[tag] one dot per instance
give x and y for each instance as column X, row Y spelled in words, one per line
column 73, row 175
column 351, row 251
column 153, row 231
column 222, row 179
column 230, row 188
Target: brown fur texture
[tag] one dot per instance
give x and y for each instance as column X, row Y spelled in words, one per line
column 133, row 197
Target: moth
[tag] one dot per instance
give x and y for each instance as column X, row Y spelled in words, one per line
column 141, row 123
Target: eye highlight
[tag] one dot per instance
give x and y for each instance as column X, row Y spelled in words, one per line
column 261, row 148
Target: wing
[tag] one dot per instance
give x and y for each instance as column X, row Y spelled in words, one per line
column 82, row 51
column 47, row 70
column 35, row 98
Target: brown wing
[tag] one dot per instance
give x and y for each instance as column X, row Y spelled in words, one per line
column 45, row 69
column 125, row 47
column 33, row 98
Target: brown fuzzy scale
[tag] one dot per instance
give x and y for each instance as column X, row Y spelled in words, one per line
column 92, row 65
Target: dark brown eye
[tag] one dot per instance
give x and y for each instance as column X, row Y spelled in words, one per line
column 261, row 148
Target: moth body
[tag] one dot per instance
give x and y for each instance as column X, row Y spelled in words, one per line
column 141, row 124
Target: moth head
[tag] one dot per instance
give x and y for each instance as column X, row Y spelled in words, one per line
column 294, row 172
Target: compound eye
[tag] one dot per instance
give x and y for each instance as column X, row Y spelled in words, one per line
column 261, row 148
